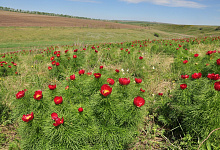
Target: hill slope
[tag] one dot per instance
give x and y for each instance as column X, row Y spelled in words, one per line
column 191, row 30
column 8, row 18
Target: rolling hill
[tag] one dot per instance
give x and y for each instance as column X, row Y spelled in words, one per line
column 8, row 18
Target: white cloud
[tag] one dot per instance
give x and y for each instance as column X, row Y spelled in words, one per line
column 170, row 3
column 88, row 1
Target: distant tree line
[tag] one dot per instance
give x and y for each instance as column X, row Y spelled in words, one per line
column 42, row 13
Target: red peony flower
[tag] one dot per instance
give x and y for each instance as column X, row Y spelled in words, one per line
column 89, row 73
column 101, row 67
column 209, row 52
column 52, row 87
column 96, row 51
column 53, row 62
column 106, row 90
column 58, row 55
column 80, row 109
column 72, row 77
column 213, row 76
column 57, row 63
column 81, row 72
column 58, row 100
column 116, row 70
column 139, row 101
column 74, row 56
column 185, row 61
column 184, row 76
column 58, row 121
column 218, row 61
column 20, row 94
column 75, row 50
column 66, row 51
column 196, row 55
column 196, row 75
column 97, row 75
column 217, row 86
column 160, row 94
column 38, row 95
column 138, row 80
column 124, row 81
column 49, row 68
column 141, row 57
column 183, row 86
column 67, row 87
column 110, row 81
column 28, row 117
column 54, row 116
column 142, row 90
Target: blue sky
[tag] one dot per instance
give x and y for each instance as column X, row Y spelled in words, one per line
column 192, row 12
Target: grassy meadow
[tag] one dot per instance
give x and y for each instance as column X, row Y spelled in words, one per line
column 40, row 37
column 147, row 106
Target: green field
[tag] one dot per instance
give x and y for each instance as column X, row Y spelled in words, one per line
column 16, row 38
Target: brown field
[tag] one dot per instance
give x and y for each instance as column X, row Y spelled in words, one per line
column 8, row 19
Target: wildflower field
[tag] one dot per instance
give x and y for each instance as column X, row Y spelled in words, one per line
column 147, row 94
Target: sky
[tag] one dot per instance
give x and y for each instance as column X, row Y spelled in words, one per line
column 186, row 12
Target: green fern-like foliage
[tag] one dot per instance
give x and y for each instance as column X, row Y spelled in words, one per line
column 192, row 113
column 106, row 122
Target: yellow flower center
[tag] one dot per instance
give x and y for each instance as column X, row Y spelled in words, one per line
column 38, row 95
column 105, row 91
column 28, row 117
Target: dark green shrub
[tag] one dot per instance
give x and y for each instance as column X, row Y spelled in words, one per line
column 218, row 28
column 157, row 34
